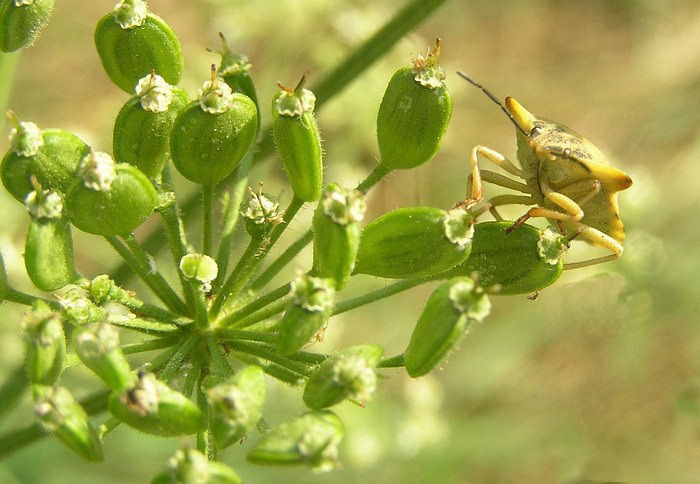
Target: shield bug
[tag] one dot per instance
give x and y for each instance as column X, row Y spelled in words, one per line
column 566, row 176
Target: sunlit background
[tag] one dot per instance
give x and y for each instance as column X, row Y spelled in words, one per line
column 580, row 385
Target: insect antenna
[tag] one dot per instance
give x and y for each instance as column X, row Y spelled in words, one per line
column 492, row 98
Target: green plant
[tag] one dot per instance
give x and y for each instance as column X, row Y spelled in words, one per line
column 218, row 317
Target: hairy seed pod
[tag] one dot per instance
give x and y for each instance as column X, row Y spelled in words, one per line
column 211, row 135
column 310, row 308
column 349, row 374
column 189, row 466
column 53, row 156
column 110, row 199
column 142, row 128
column 235, row 406
column 46, row 345
column 311, row 439
column 414, row 242
column 21, row 21
column 414, row 114
column 153, row 407
column 449, row 311
column 97, row 346
column 62, row 415
column 523, row 261
column 298, row 141
column 48, row 250
column 132, row 42
column 336, row 227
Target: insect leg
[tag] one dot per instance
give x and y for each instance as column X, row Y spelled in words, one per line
column 507, row 200
column 500, row 160
column 475, row 191
column 574, row 212
column 596, row 237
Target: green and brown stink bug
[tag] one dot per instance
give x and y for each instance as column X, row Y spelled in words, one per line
column 568, row 177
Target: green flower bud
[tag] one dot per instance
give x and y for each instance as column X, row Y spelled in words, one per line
column 261, row 213
column 102, row 289
column 310, row 308
column 523, row 261
column 211, row 135
column 152, row 407
column 200, row 267
column 446, row 317
column 48, row 251
column 336, row 227
column 298, row 141
column 143, row 125
column 311, row 439
column 60, row 414
column 21, row 21
column 416, row 241
column 189, row 466
column 53, row 159
column 132, row 42
column 349, row 374
column 235, row 71
column 235, row 406
column 79, row 309
column 97, row 346
column 414, row 114
column 110, row 199
column 46, row 345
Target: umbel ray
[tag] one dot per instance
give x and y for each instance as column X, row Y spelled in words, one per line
column 567, row 177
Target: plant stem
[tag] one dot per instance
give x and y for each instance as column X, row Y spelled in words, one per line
column 15, row 440
column 13, row 388
column 381, row 293
column 150, row 345
column 237, row 192
column 252, row 257
column 8, row 64
column 179, row 357
column 207, row 206
column 267, row 353
column 142, row 325
column 20, row 297
column 219, row 364
column 270, row 297
column 110, row 424
column 262, row 315
column 379, row 172
column 144, row 271
column 191, row 379
column 235, row 334
column 285, row 258
column 391, row 362
column 274, row 370
column 157, row 363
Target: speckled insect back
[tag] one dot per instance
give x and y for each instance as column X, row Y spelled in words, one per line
column 414, row 113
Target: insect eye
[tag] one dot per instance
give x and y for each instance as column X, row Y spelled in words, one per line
column 535, row 131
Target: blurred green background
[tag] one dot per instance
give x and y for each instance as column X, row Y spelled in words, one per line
column 580, row 385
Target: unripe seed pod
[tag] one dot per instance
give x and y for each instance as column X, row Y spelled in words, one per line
column 53, row 156
column 48, row 251
column 349, row 374
column 261, row 213
column 110, row 199
column 336, row 227
column 414, row 114
column 152, row 407
column 523, row 261
column 80, row 310
column 21, row 21
column 235, row 71
column 235, row 406
column 97, row 346
column 415, row 241
column 298, row 141
column 132, row 42
column 446, row 317
column 142, row 128
column 201, row 268
column 189, row 466
column 46, row 345
column 310, row 308
column 211, row 136
column 60, row 414
column 311, row 439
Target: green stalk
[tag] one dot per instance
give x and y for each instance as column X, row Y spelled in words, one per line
column 179, row 357
column 191, row 378
column 20, row 297
column 142, row 325
column 164, row 292
column 270, row 297
column 13, row 388
column 269, row 355
column 219, row 364
column 274, row 370
column 8, row 64
column 362, row 58
column 250, row 261
column 150, row 345
column 262, row 315
column 379, row 172
column 391, row 362
column 381, row 293
column 207, row 207
column 235, row 335
column 285, row 258
column 239, row 184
